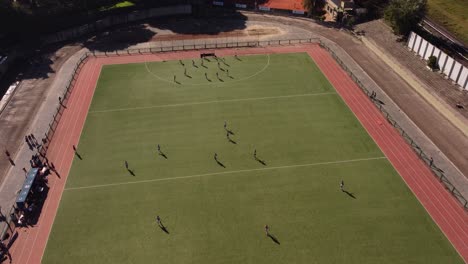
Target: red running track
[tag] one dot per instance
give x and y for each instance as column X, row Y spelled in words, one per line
column 446, row 212
column 451, row 218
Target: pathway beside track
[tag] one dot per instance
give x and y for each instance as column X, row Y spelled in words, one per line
column 451, row 218
column 446, row 212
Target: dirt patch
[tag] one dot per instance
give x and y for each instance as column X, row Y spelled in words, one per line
column 258, row 30
column 250, row 31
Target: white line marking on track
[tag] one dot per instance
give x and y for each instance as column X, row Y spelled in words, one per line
column 223, row 172
column 210, row 102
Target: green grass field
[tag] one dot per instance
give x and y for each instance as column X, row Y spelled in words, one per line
column 452, row 14
column 280, row 105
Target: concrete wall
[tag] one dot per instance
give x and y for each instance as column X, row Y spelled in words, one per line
column 116, row 20
column 451, row 68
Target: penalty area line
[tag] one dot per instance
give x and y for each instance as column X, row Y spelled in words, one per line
column 222, row 173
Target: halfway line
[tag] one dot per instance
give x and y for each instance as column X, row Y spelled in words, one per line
column 211, row 102
column 220, row 173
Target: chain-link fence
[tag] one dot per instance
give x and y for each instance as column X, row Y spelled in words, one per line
column 439, row 173
column 7, row 229
column 10, row 219
column 181, row 45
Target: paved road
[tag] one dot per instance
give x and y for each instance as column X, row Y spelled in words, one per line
column 16, row 118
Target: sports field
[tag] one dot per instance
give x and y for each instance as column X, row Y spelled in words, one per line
column 306, row 139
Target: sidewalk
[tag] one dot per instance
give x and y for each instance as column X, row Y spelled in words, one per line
column 434, row 83
column 39, row 126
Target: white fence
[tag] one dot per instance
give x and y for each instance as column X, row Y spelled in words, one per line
column 451, row 68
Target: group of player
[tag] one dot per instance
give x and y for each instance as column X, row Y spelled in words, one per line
column 219, row 60
column 228, row 133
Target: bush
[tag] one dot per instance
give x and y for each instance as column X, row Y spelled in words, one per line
column 404, row 15
column 432, row 63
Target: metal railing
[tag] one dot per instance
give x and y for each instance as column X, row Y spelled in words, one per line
column 437, row 172
column 183, row 46
column 8, row 225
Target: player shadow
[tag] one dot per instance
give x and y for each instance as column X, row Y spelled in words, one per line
column 163, row 155
column 232, row 141
column 204, row 66
column 223, row 60
column 164, row 228
column 8, row 246
column 221, row 80
column 220, row 163
column 177, row 82
column 131, row 172
column 274, row 239
column 29, row 146
column 380, row 101
column 11, row 162
column 350, row 194
column 78, row 155
column 230, row 132
column 261, row 161
column 186, row 75
column 52, row 168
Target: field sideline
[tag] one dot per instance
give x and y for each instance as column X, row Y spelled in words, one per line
column 205, row 205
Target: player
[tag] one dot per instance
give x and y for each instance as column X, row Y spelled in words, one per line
column 158, row 220
column 267, row 230
column 342, row 185
column 126, row 165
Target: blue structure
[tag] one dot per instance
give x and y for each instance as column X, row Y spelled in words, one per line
column 28, row 183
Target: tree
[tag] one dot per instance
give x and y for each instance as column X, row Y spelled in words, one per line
column 312, row 6
column 374, row 7
column 432, row 63
column 404, row 15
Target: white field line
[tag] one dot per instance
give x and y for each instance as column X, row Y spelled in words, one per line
column 224, row 172
column 210, row 102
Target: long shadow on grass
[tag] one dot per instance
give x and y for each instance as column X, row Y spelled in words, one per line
column 220, row 164
column 350, row 194
column 78, row 155
column 262, row 162
column 164, row 228
column 131, row 172
column 274, row 239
